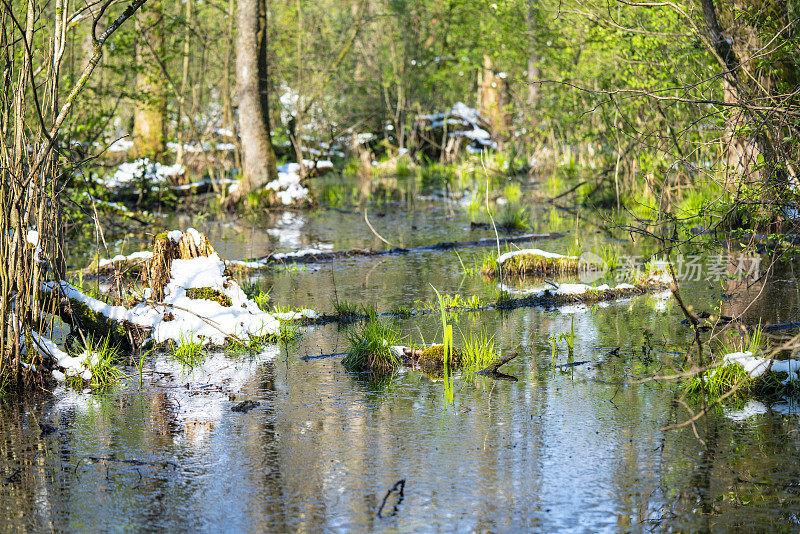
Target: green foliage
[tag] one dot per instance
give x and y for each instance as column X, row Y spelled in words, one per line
column 255, row 292
column 610, row 256
column 188, row 351
column 514, row 217
column 101, row 362
column 346, row 310
column 478, row 350
column 448, row 357
column 403, row 167
column 370, row 348
column 451, row 302
column 512, row 193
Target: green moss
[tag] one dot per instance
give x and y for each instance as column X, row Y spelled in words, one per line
column 96, row 323
column 208, row 293
column 432, row 359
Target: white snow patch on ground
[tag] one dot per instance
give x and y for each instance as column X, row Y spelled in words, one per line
column 297, row 254
column 205, row 320
column 532, row 251
column 755, row 366
column 462, row 115
column 152, row 171
column 120, row 145
column 72, row 365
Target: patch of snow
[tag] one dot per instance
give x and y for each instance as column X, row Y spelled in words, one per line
column 287, row 186
column 120, row 145
column 153, row 172
column 297, row 254
column 33, row 239
column 142, row 255
column 756, row 367
column 204, row 320
column 182, row 318
column 533, row 251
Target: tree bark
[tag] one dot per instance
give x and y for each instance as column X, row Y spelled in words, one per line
column 148, row 118
column 258, row 155
column 492, row 97
column 534, row 72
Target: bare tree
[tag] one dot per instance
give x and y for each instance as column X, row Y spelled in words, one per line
column 32, row 113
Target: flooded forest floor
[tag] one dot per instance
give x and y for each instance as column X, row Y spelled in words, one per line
column 287, row 439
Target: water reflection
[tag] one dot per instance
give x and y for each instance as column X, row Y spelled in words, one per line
column 569, row 449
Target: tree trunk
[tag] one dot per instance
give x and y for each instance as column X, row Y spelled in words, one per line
column 184, row 80
column 534, row 72
column 148, row 117
column 257, row 153
column 492, row 97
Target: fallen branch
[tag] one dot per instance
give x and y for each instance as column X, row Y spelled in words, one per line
column 315, row 256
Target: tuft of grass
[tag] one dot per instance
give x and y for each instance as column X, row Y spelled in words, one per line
column 346, row 310
column 531, row 264
column 369, row 310
column 719, row 380
column 403, row 167
column 452, row 302
column 189, row 352
column 503, row 299
column 101, row 362
column 370, row 348
column 479, row 350
column 514, row 217
column 255, row 292
column 289, row 331
column 447, row 349
column 512, row 193
column 610, row 255
column 401, row 311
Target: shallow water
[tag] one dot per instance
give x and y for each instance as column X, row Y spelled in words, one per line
column 570, row 449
